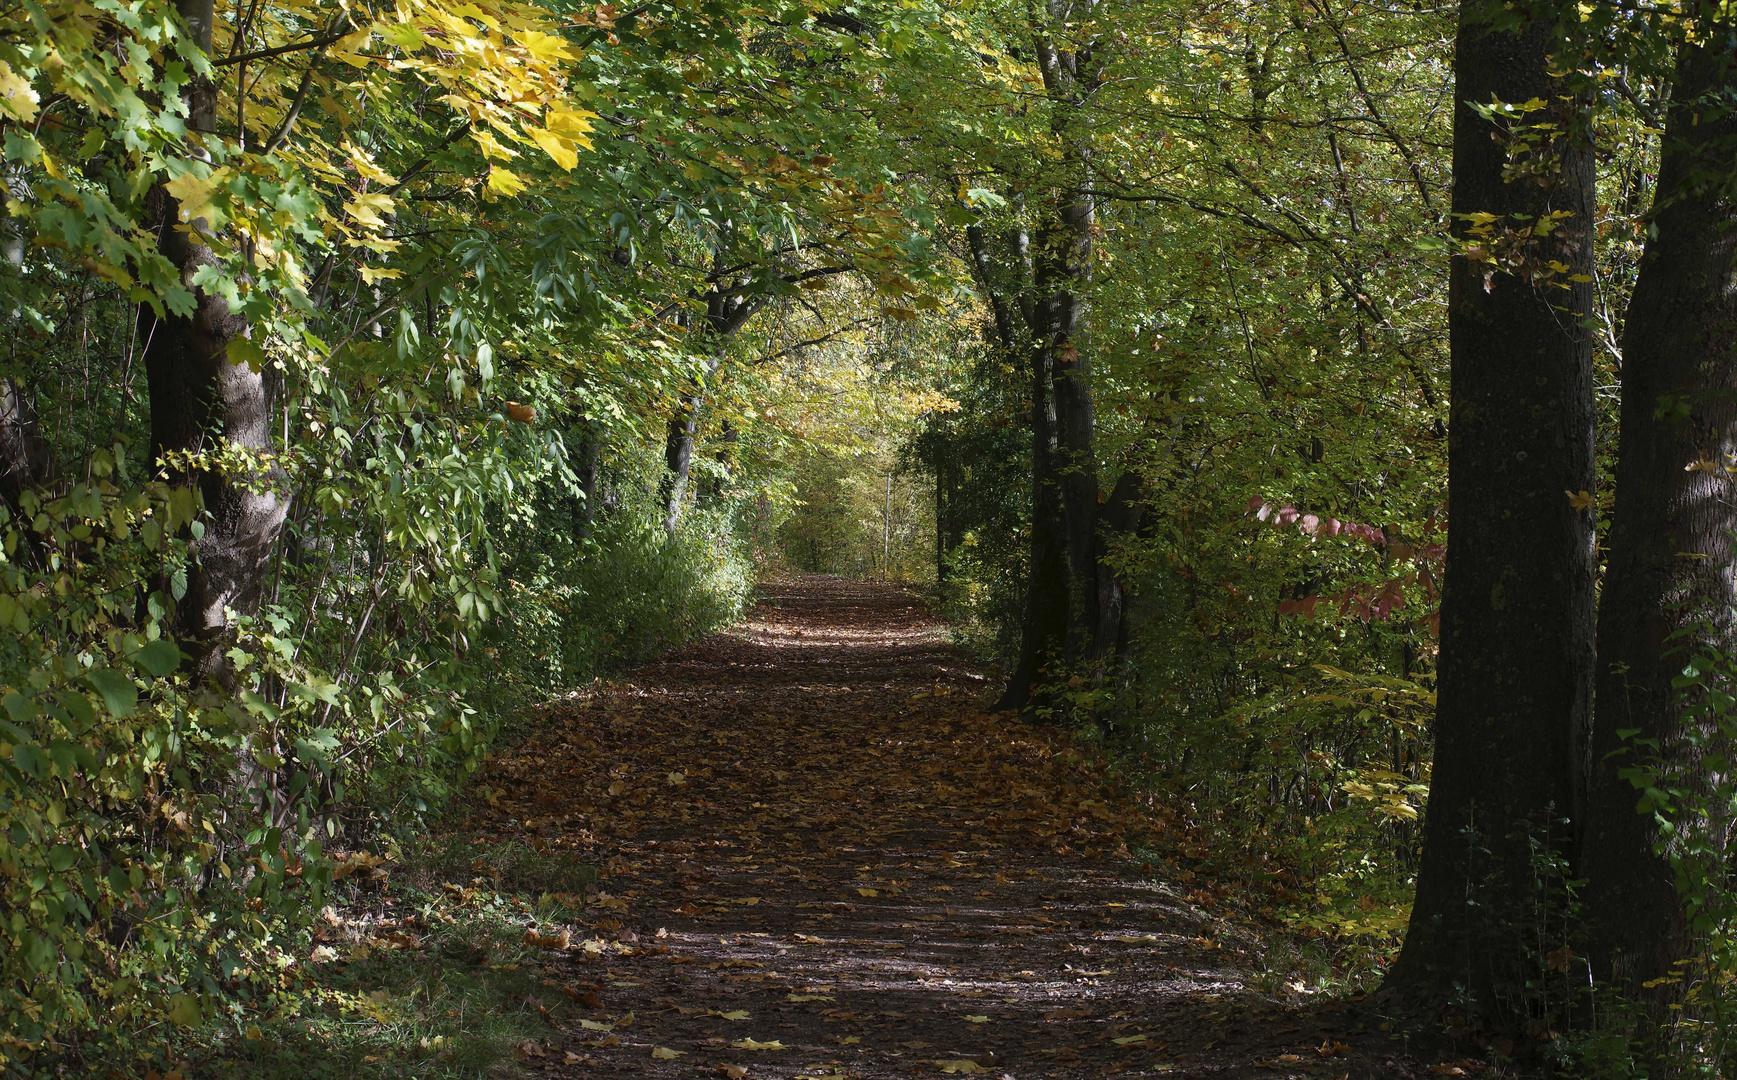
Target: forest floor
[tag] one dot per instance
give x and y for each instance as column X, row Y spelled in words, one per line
column 822, row 858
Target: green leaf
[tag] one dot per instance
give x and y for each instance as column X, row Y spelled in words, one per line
column 243, row 351
column 20, row 708
column 184, row 1010
column 80, row 707
column 30, row 758
column 117, row 690
column 159, row 657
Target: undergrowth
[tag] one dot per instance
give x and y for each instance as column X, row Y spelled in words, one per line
column 426, row 965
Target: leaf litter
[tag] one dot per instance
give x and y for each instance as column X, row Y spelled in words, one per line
column 810, row 827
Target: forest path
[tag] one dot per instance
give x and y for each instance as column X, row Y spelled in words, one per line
column 825, row 860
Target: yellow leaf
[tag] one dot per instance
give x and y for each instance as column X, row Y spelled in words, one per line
column 1130, row 1040
column 367, row 207
column 17, row 99
column 546, row 47
column 194, row 193
column 733, row 1072
column 592, row 1025
column 349, row 47
column 560, row 151
column 371, row 274
column 363, row 163
column 664, row 1053
column 404, row 35
column 492, row 147
column 572, row 124
column 808, row 997
column 961, row 1065
column 505, row 181
column 733, row 1014
column 755, row 1044
column 977, row 1019
column 867, row 892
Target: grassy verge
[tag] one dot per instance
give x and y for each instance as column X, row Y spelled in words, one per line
column 425, row 966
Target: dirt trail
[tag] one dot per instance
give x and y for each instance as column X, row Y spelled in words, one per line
column 817, row 839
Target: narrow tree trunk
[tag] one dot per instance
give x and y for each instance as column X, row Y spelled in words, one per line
column 202, row 402
column 941, row 513
column 1516, row 653
column 678, row 458
column 590, row 448
column 1120, row 518
column 1669, row 581
column 24, row 453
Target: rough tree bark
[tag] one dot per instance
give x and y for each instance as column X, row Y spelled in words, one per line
column 1517, row 612
column 1669, row 568
column 201, row 400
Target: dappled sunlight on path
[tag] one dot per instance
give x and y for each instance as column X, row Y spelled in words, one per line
column 825, row 860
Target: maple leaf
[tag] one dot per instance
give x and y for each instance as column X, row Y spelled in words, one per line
column 17, row 98
column 755, row 1044
column 960, row 1065
column 505, row 181
column 664, row 1053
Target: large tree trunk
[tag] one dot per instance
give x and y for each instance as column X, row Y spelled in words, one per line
column 1517, row 612
column 1669, row 569
column 1064, row 264
column 1043, row 630
column 201, row 402
column 1062, row 607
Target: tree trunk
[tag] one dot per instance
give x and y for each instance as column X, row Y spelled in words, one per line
column 1119, row 519
column 201, row 402
column 1515, row 673
column 678, row 457
column 590, row 447
column 1043, row 630
column 941, row 511
column 1064, row 266
column 1669, row 569
column 24, row 453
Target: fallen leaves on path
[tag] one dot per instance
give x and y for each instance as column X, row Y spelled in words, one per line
column 812, row 830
